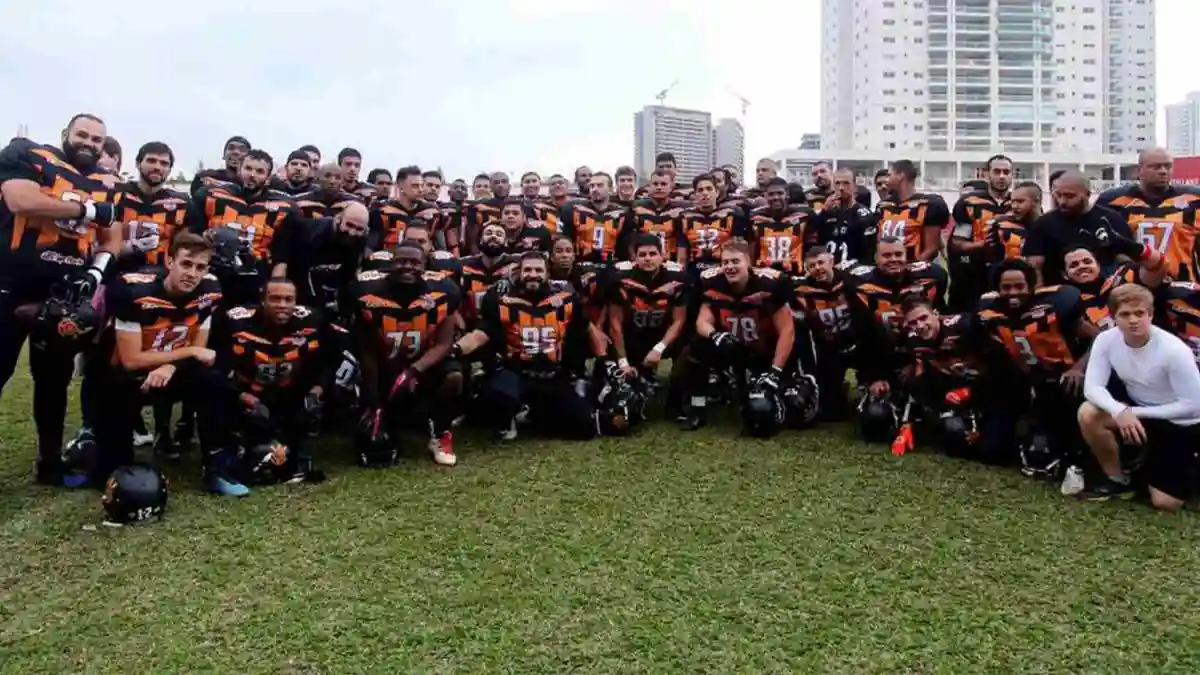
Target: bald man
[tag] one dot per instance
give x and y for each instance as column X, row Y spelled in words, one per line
column 326, row 254
column 1076, row 222
column 1160, row 214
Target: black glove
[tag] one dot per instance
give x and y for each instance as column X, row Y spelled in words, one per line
column 1121, row 245
column 81, row 285
column 769, row 380
column 314, row 406
column 721, row 339
column 612, row 370
column 502, row 286
column 100, row 213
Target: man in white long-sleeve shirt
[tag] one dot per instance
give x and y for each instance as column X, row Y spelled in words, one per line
column 1159, row 374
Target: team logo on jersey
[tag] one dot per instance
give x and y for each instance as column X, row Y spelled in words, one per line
column 239, row 313
column 1181, row 202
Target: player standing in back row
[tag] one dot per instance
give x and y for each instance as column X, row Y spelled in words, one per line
column 915, row 218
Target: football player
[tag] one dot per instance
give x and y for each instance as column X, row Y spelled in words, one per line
column 744, row 322
column 1045, row 332
column 1159, row 213
column 521, row 233
column 826, row 345
column 55, row 224
column 705, row 228
column 915, row 218
column 299, row 175
column 235, row 149
column 842, row 227
column 559, row 192
column 595, row 225
column 822, row 178
column 541, row 338
column 972, row 215
column 404, row 324
column 351, row 162
column 278, row 357
column 1075, row 220
column 1006, row 232
column 486, row 206
column 161, row 323
column 779, row 229
column 480, row 272
column 583, row 182
column 1082, row 270
column 626, row 186
column 390, row 217
column 657, row 214
column 382, row 180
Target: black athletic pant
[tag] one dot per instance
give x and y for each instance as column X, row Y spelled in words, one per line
column 554, row 405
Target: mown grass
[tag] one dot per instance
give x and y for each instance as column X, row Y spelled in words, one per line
column 664, row 553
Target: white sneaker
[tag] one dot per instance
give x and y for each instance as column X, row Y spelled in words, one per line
column 442, row 448
column 142, row 440
column 522, row 417
column 1072, row 483
column 509, row 433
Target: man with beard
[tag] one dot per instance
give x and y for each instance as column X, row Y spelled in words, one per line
column 441, row 263
column 1075, row 221
column 744, row 322
column 780, row 230
column 1083, row 272
column 390, row 217
column 705, row 228
column 822, row 175
column 1159, row 213
column 596, row 225
column 969, row 238
column 1045, row 333
column 647, row 311
column 538, row 208
column 404, row 325
column 281, row 360
column 881, row 186
column 764, row 172
column 351, row 162
column 150, row 213
column 486, row 208
column 1006, row 232
column 482, row 270
column 382, row 180
column 432, row 183
column 235, row 149
column 915, row 218
column 265, row 221
column 876, row 294
column 299, row 174
column 325, row 254
column 843, row 225
column 314, row 154
column 583, row 182
column 626, row 186
column 657, row 214
column 540, row 337
column 522, row 235
column 161, row 323
column 824, row 337
column 55, row 220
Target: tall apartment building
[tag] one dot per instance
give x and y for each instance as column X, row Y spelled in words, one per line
column 688, row 134
column 729, row 145
column 1183, row 126
column 1020, row 76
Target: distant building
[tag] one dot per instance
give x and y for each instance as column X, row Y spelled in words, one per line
column 729, row 145
column 687, row 134
column 1183, row 126
column 810, row 142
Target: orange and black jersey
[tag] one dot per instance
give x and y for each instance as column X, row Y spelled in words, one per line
column 390, row 218
column 368, row 193
column 544, row 212
column 38, row 251
column 148, row 217
column 815, row 199
column 1040, row 338
column 824, row 307
column 1006, row 237
column 1178, row 311
column 400, row 329
column 450, row 216
column 595, row 229
column 287, row 187
column 909, row 219
column 703, row 234
column 648, row 300
column 956, row 354
column 588, row 282
column 139, row 302
column 479, row 213
column 477, row 276
column 973, row 214
column 317, row 204
column 538, row 337
column 1094, row 295
column 747, row 314
column 533, row 237
column 443, row 264
column 877, row 297
column 265, row 221
column 267, row 359
column 841, row 231
column 212, row 178
column 780, row 237
column 659, row 219
column 1166, row 222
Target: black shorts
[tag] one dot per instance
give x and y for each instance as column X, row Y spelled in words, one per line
column 1171, row 456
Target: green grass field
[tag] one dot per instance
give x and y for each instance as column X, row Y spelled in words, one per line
column 664, row 553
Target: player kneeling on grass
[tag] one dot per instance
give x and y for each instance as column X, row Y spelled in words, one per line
column 541, row 339
column 278, row 356
column 161, row 324
column 744, row 324
column 404, row 320
column 1162, row 416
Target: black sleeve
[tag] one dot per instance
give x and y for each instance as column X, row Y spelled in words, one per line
column 489, row 321
column 1116, row 222
column 938, row 214
column 374, row 230
column 16, row 162
column 576, row 343
column 566, row 224
column 862, row 195
column 196, row 222
column 1036, row 242
column 291, row 230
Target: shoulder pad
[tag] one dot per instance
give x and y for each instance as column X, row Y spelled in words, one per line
column 239, row 313
column 990, row 295
column 1049, row 289
column 767, row 272
column 211, row 277
column 861, row 270
column 137, row 278
column 710, row 273
column 918, row 266
column 623, row 265
column 1185, row 285
column 372, row 275
column 847, row 265
column 380, row 255
column 301, row 312
column 671, row 266
column 433, row 275
column 442, row 255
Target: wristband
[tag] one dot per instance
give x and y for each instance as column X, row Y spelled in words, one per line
column 660, row 348
column 624, row 363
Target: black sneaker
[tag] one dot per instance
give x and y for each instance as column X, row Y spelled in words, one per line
column 1107, row 490
column 165, row 448
column 693, row 420
column 185, row 431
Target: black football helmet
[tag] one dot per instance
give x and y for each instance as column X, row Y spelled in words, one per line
column 619, row 407
column 67, row 316
column 803, row 399
column 231, row 254
column 762, row 413
column 877, row 420
column 80, row 453
column 265, row 464
column 1039, row 460
column 135, row 493
column 959, row 433
column 373, row 443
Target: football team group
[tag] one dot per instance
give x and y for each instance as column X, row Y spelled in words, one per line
column 274, row 304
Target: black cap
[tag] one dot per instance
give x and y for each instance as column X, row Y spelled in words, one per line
column 237, row 139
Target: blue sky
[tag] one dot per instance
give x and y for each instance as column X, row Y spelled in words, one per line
column 467, row 85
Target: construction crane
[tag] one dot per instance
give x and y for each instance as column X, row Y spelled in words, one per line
column 662, row 95
column 743, row 99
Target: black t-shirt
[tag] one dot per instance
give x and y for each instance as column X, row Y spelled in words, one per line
column 1050, row 235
